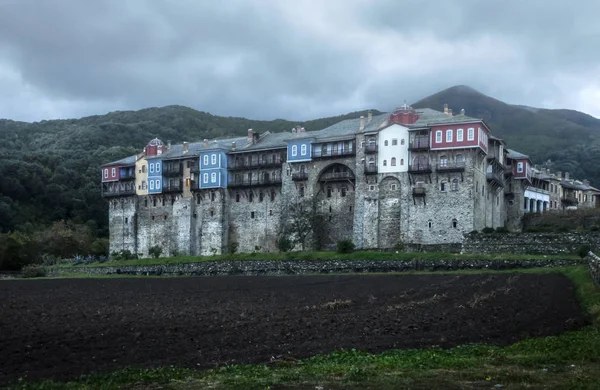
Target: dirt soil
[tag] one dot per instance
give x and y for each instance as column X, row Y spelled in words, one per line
column 60, row 329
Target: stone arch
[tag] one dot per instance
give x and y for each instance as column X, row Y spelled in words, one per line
column 390, row 214
column 335, row 168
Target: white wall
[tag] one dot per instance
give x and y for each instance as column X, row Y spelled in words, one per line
column 399, row 151
column 533, row 194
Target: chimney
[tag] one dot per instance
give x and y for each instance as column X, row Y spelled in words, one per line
column 586, row 182
column 449, row 112
column 361, row 127
column 294, row 132
column 233, row 146
column 205, row 143
column 169, row 144
column 301, row 130
column 462, row 111
column 185, row 146
column 255, row 138
column 446, row 109
column 566, row 175
column 250, row 136
column 559, row 175
column 369, row 116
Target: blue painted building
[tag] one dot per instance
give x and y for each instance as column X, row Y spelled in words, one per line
column 213, row 169
column 299, row 150
column 155, row 176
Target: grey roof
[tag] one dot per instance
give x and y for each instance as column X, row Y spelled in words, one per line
column 267, row 141
column 194, row 148
column 514, row 154
column 124, row 161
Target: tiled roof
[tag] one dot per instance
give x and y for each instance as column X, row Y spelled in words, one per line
column 514, row 154
column 124, row 161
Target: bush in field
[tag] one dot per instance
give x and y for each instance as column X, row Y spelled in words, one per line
column 155, row 251
column 124, row 255
column 502, row 229
column 345, row 246
column 284, row 244
column 232, row 248
column 33, row 271
column 488, row 230
column 583, row 250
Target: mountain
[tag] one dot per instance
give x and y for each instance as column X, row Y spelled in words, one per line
column 568, row 139
column 50, row 169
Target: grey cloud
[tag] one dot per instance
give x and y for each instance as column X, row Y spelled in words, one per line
column 302, row 59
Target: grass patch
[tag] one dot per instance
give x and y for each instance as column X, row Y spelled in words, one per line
column 570, row 360
column 312, row 256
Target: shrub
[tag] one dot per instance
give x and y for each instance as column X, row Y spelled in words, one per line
column 583, row 250
column 345, row 246
column 595, row 228
column 474, row 232
column 33, row 271
column 284, row 244
column 233, row 247
column 502, row 229
column 562, row 229
column 155, row 251
column 399, row 247
column 487, row 230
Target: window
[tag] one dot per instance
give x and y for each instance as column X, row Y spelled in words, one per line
column 213, row 177
column 443, row 186
column 385, row 143
column 261, row 196
column 270, row 212
column 344, row 190
column 393, row 162
column 449, row 135
column 146, row 202
column 385, row 163
column 205, row 160
column 272, row 196
column 520, row 167
column 393, row 187
column 454, row 223
column 459, row 135
column 213, row 159
column 443, row 161
column 438, row 137
column 497, row 201
column 429, row 224
column 329, row 192
column 157, row 167
column 394, row 141
column 252, row 214
column 454, row 185
column 212, row 213
column 372, row 188
column 303, row 150
column 151, row 184
column 237, row 197
column 144, row 184
column 205, row 178
column 301, row 191
column 114, row 172
column 250, row 196
column 106, row 173
column 294, row 150
column 151, row 168
column 460, row 158
column 198, row 199
column 401, row 161
column 402, row 141
column 154, row 202
column 470, row 134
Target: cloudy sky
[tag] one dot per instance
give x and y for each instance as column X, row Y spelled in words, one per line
column 293, row 59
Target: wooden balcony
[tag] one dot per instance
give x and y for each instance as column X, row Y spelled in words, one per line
column 337, row 176
column 418, row 191
column 418, row 144
column 371, row 148
column 451, row 167
column 118, row 189
column 318, row 153
column 172, row 170
column 371, row 169
column 268, row 163
column 300, row 176
column 254, row 182
column 569, row 200
column 419, row 168
column 496, row 178
column 175, row 186
column 128, row 176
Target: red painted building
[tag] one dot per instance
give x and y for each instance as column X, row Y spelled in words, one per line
column 459, row 136
column 110, row 173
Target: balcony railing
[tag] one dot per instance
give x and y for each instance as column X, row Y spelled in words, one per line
column 458, row 166
column 419, row 168
column 419, row 143
column 128, row 175
column 418, row 191
column 371, row 169
column 176, row 186
column 255, row 182
column 496, row 177
column 570, row 200
column 319, row 153
column 172, row 170
column 268, row 163
column 371, row 148
column 299, row 176
column 334, row 176
column 116, row 189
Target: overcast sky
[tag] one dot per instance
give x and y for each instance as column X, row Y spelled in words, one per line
column 293, row 59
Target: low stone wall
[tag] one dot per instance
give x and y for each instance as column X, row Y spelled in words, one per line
column 594, row 264
column 292, row 267
column 446, row 248
column 529, row 243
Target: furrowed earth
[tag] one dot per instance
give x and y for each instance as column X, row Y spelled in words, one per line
column 61, row 329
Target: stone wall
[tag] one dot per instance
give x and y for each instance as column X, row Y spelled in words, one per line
column 529, row 243
column 594, row 264
column 296, row 267
column 563, row 219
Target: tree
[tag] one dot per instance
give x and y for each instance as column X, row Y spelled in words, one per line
column 303, row 224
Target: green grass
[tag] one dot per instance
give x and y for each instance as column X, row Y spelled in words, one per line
column 311, row 256
column 567, row 361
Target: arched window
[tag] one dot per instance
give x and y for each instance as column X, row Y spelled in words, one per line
column 454, row 223
column 454, row 184
column 402, row 141
column 443, row 161
column 385, row 163
column 429, row 224
column 386, row 142
column 393, row 162
column 401, row 161
column 460, row 158
column 371, row 161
